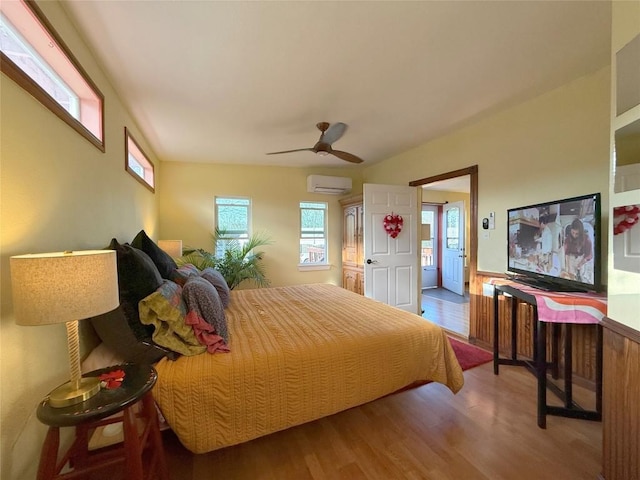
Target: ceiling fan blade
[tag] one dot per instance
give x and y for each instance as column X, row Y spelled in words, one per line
column 290, row 151
column 349, row 157
column 333, row 133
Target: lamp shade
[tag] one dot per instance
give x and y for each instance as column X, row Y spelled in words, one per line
column 172, row 247
column 63, row 286
column 426, row 231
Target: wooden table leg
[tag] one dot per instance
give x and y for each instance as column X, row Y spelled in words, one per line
column 49, row 454
column 133, row 449
column 149, row 408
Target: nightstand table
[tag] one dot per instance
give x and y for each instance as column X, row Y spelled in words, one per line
column 142, row 440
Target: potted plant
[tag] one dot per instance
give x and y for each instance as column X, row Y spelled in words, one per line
column 237, row 262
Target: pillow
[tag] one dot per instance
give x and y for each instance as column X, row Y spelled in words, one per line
column 201, row 298
column 138, row 277
column 215, row 278
column 183, row 272
column 114, row 331
column 162, row 260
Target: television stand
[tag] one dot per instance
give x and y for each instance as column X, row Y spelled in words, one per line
column 573, row 311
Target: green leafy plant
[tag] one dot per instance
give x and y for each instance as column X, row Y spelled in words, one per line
column 238, row 262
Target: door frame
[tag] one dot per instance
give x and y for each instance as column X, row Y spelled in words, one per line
column 472, row 171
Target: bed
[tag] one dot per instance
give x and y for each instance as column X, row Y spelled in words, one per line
column 261, row 360
column 298, row 353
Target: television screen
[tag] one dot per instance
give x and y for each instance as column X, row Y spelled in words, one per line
column 556, row 245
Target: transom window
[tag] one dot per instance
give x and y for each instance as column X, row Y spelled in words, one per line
column 137, row 163
column 35, row 57
column 232, row 216
column 313, row 233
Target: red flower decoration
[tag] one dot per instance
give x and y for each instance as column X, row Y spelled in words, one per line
column 392, row 224
column 630, row 216
column 112, row 379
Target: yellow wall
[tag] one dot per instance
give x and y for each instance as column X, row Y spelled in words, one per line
column 551, row 147
column 58, row 192
column 186, row 193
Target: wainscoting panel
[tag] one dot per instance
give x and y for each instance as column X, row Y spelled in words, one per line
column 621, row 402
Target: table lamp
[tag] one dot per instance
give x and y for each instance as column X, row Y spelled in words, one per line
column 64, row 287
column 172, row 247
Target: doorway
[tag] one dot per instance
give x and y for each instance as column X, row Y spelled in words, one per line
column 453, row 313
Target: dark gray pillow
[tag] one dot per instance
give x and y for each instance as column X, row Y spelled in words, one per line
column 138, row 278
column 216, row 279
column 113, row 329
column 162, row 260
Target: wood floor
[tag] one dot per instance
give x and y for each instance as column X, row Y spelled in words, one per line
column 453, row 317
column 486, row 432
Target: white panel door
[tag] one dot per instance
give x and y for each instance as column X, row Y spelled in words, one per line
column 391, row 265
column 453, row 247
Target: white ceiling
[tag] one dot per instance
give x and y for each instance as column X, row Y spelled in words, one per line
column 228, row 81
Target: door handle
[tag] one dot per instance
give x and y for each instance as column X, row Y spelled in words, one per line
column 369, row 261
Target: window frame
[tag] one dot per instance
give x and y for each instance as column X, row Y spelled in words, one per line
column 14, row 72
column 149, row 167
column 323, row 265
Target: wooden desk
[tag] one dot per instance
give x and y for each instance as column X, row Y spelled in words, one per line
column 561, row 309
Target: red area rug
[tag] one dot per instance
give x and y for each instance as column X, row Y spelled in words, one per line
column 469, row 356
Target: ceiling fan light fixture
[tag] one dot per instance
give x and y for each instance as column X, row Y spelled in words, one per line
column 322, row 152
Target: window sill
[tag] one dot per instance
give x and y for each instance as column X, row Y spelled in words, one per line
column 305, row 267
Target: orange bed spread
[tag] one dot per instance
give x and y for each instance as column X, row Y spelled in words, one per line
column 298, row 353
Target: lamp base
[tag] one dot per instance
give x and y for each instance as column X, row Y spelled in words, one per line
column 66, row 395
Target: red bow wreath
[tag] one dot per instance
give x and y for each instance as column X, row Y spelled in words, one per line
column 630, row 215
column 392, row 225
column 112, row 379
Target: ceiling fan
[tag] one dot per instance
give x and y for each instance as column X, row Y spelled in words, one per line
column 329, row 135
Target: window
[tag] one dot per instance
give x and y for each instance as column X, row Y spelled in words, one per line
column 35, row 57
column 427, row 245
column 313, row 233
column 137, row 163
column 232, row 221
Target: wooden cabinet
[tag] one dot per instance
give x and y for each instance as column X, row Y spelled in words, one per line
column 352, row 247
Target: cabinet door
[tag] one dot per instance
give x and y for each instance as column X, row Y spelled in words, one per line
column 350, row 240
column 359, row 236
column 350, row 280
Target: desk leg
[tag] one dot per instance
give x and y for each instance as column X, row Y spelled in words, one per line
column 555, row 349
column 568, row 366
column 541, row 371
column 496, row 335
column 514, row 328
column 599, row 369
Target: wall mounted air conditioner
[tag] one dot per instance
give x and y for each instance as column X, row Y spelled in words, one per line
column 328, row 185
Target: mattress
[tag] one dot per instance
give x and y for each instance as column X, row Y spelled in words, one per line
column 298, row 353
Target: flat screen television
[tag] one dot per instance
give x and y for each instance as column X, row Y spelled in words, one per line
column 556, row 245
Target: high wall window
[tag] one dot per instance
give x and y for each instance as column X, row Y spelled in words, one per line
column 232, row 215
column 137, row 163
column 35, row 57
column 313, row 233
